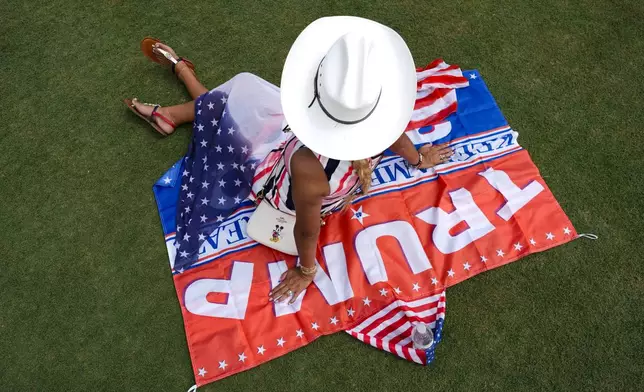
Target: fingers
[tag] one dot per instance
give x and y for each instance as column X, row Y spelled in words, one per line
column 280, row 293
column 445, row 154
column 296, row 294
column 282, row 287
column 291, row 285
column 427, row 148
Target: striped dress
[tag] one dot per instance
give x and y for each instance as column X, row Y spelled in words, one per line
column 275, row 171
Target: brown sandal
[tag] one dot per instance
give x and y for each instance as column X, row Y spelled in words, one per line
column 151, row 118
column 147, row 46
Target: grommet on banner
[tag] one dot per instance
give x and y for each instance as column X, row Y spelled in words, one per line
column 589, row 236
column 192, row 388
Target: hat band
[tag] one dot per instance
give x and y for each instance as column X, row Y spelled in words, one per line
column 316, row 97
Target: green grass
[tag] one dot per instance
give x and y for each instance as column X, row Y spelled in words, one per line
column 87, row 297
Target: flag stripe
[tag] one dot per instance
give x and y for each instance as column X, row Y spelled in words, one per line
column 438, row 116
column 390, row 329
column 431, row 98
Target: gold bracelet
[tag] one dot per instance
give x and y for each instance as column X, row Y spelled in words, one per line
column 420, row 161
column 309, row 270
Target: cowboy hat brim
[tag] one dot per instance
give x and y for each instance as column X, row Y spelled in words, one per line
column 386, row 123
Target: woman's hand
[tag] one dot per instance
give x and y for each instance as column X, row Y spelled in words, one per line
column 435, row 154
column 292, row 283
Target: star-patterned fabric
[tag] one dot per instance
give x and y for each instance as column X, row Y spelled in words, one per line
column 218, row 168
column 216, row 177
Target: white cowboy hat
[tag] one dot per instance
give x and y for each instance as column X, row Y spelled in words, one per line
column 366, row 87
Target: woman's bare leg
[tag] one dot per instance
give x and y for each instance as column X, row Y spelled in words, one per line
column 194, row 86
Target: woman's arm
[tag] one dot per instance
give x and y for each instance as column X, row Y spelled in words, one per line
column 431, row 155
column 309, row 186
column 405, row 148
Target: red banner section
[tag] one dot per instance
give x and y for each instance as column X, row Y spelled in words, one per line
column 416, row 233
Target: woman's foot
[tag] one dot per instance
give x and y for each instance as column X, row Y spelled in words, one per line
column 178, row 64
column 160, row 56
column 158, row 117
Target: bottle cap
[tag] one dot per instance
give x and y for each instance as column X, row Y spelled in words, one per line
column 421, row 328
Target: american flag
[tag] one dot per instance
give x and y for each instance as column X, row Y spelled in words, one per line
column 390, row 329
column 216, row 177
column 436, row 96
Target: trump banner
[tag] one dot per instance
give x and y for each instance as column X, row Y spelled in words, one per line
column 385, row 262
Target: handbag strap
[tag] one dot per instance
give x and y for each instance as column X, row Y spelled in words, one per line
column 269, row 183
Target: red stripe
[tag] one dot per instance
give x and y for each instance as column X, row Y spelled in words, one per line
column 449, row 68
column 269, row 162
column 446, row 69
column 379, row 344
column 392, row 347
column 392, row 327
column 379, row 321
column 439, row 116
column 406, row 355
column 441, row 79
column 432, row 97
column 262, row 173
column 423, row 319
column 431, row 65
column 403, row 335
column 422, row 355
column 344, row 178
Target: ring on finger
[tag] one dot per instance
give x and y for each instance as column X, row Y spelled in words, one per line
column 289, row 293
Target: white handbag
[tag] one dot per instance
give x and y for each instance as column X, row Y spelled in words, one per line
column 272, row 228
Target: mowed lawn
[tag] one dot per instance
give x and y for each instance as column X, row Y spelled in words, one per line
column 87, row 300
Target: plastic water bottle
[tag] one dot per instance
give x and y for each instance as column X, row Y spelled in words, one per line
column 422, row 336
